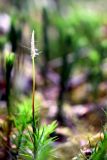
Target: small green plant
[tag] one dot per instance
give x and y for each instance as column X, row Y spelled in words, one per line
column 31, row 145
column 25, row 138
column 32, row 140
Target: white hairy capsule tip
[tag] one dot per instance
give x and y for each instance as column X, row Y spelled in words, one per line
column 34, row 51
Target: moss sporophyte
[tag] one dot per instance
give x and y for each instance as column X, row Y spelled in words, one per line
column 33, row 55
column 42, row 144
